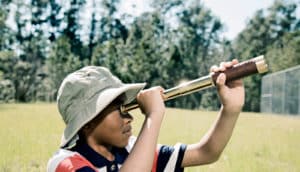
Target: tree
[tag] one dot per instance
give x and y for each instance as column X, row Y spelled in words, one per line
column 29, row 44
column 7, row 60
column 145, row 42
column 54, row 20
column 285, row 52
column 19, row 73
column 61, row 62
column 107, row 54
column 73, row 27
column 261, row 32
column 92, row 34
column 5, row 39
column 196, row 37
column 111, row 27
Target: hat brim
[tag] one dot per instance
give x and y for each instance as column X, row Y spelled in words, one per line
column 94, row 106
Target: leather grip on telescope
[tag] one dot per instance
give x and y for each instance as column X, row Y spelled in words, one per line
column 238, row 71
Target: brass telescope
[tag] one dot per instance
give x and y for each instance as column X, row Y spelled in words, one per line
column 240, row 70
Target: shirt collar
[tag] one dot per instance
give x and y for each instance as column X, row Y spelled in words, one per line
column 97, row 159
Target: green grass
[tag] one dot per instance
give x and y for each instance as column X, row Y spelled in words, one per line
column 30, row 134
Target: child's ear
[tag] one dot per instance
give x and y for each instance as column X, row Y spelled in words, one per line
column 85, row 130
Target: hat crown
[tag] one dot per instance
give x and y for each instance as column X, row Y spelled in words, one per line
column 79, row 87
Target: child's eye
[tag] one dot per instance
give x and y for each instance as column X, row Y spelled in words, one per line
column 124, row 114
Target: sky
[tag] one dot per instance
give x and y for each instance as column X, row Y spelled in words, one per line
column 236, row 16
column 233, row 13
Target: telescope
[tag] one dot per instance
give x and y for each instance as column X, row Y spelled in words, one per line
column 238, row 71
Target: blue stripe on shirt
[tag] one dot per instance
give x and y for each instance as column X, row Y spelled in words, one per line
column 164, row 155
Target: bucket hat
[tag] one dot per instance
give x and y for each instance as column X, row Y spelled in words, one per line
column 84, row 93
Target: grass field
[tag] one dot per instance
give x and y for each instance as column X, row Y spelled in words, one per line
column 30, row 134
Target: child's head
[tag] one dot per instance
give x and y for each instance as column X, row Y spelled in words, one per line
column 85, row 93
column 110, row 127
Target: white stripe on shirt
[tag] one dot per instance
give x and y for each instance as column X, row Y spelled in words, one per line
column 173, row 159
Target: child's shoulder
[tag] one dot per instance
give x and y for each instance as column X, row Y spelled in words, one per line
column 66, row 159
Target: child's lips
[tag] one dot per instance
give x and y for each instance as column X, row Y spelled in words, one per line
column 127, row 130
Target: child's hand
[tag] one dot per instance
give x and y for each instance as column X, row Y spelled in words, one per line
column 151, row 101
column 232, row 95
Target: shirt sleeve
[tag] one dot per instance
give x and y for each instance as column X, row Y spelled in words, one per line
column 169, row 158
column 66, row 161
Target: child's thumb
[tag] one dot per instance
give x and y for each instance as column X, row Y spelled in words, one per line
column 221, row 79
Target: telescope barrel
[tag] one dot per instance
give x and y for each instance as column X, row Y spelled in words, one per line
column 240, row 70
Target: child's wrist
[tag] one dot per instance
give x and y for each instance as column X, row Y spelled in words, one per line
column 231, row 109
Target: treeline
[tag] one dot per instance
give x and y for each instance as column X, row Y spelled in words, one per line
column 42, row 41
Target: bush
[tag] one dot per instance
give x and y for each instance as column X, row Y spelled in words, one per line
column 7, row 91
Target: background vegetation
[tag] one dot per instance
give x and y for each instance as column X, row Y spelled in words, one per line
column 42, row 41
column 32, row 134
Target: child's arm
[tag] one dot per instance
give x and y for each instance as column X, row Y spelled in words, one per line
column 142, row 155
column 210, row 147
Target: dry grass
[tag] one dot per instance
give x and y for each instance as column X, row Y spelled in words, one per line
column 30, row 134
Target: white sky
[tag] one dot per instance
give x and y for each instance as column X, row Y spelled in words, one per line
column 234, row 13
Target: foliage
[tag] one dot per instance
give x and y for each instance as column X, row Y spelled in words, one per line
column 262, row 35
column 285, row 50
column 17, row 73
column 61, row 62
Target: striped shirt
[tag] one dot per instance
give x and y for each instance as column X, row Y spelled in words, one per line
column 83, row 158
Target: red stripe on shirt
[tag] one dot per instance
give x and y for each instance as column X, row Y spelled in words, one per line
column 154, row 167
column 73, row 163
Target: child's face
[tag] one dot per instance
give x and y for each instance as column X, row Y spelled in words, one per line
column 113, row 128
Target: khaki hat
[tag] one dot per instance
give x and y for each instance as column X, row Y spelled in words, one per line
column 83, row 94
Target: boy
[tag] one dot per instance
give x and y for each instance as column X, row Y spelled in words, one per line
column 98, row 137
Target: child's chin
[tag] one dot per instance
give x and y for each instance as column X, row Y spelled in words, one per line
column 123, row 145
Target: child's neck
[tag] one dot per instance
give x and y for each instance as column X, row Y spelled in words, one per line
column 103, row 150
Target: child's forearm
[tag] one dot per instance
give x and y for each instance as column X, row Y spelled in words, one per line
column 142, row 155
column 210, row 147
column 220, row 132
